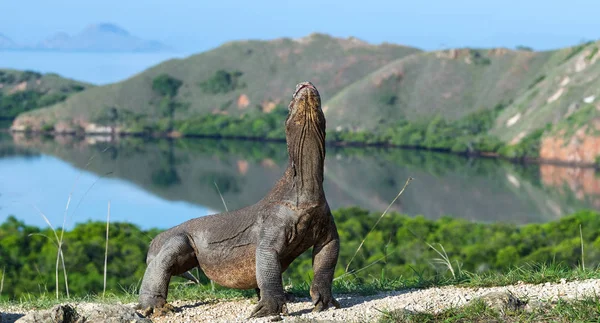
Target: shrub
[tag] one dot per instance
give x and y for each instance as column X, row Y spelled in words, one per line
column 223, row 82
column 165, row 85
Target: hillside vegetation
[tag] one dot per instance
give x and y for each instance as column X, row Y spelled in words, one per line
column 515, row 103
column 22, row 91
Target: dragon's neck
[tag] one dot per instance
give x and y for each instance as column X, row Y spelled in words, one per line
column 306, row 162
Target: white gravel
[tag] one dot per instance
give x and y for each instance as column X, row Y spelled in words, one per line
column 365, row 308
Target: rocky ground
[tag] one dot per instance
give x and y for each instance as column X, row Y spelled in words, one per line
column 354, row 308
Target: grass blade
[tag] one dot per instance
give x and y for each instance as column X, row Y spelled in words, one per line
column 106, row 249
column 381, row 217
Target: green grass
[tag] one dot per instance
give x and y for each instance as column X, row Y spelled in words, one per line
column 592, row 53
column 576, row 120
column 576, row 50
column 583, row 310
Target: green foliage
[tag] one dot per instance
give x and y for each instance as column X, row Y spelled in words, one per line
column 478, row 247
column 574, row 51
column 223, row 82
column 77, row 87
column 50, row 99
column 165, row 85
column 389, row 99
column 466, row 135
column 267, row 125
column 47, row 127
column 524, row 48
column 569, row 125
column 7, row 78
column 478, row 58
column 29, row 257
column 13, row 104
column 536, row 81
column 51, row 90
column 528, row 147
column 29, row 76
column 592, row 53
column 397, row 247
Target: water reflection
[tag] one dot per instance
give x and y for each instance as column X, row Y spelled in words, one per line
column 187, row 170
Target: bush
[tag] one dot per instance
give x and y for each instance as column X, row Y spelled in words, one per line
column 528, row 147
column 165, row 85
column 14, row 104
column 223, row 82
column 524, row 48
column 29, row 76
column 479, row 59
column 47, row 127
column 400, row 241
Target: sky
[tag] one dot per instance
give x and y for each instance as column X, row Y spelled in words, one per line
column 198, row 25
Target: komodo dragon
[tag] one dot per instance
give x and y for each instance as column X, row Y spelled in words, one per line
column 250, row 247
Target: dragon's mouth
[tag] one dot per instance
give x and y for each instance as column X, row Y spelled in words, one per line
column 304, row 85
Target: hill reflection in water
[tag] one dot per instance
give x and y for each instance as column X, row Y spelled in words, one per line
column 476, row 189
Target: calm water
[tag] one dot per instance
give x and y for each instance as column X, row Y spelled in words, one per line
column 163, row 183
column 96, row 68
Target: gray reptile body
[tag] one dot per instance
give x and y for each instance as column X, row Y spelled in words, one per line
column 250, row 247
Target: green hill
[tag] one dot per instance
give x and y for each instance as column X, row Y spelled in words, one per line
column 451, row 83
column 22, row 91
column 564, row 103
column 514, row 103
column 557, row 92
column 237, row 78
column 519, row 104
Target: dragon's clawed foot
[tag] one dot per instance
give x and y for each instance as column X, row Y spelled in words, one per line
column 270, row 306
column 322, row 300
column 154, row 305
column 157, row 311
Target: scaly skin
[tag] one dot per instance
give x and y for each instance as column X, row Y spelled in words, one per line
column 249, row 248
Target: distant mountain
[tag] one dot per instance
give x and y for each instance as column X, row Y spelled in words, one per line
column 103, row 37
column 6, row 42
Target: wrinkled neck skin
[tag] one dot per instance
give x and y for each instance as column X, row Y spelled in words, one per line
column 306, row 151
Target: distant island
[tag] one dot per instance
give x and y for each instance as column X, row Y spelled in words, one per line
column 102, row 37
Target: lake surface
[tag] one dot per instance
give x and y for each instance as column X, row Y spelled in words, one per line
column 96, row 68
column 162, row 183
